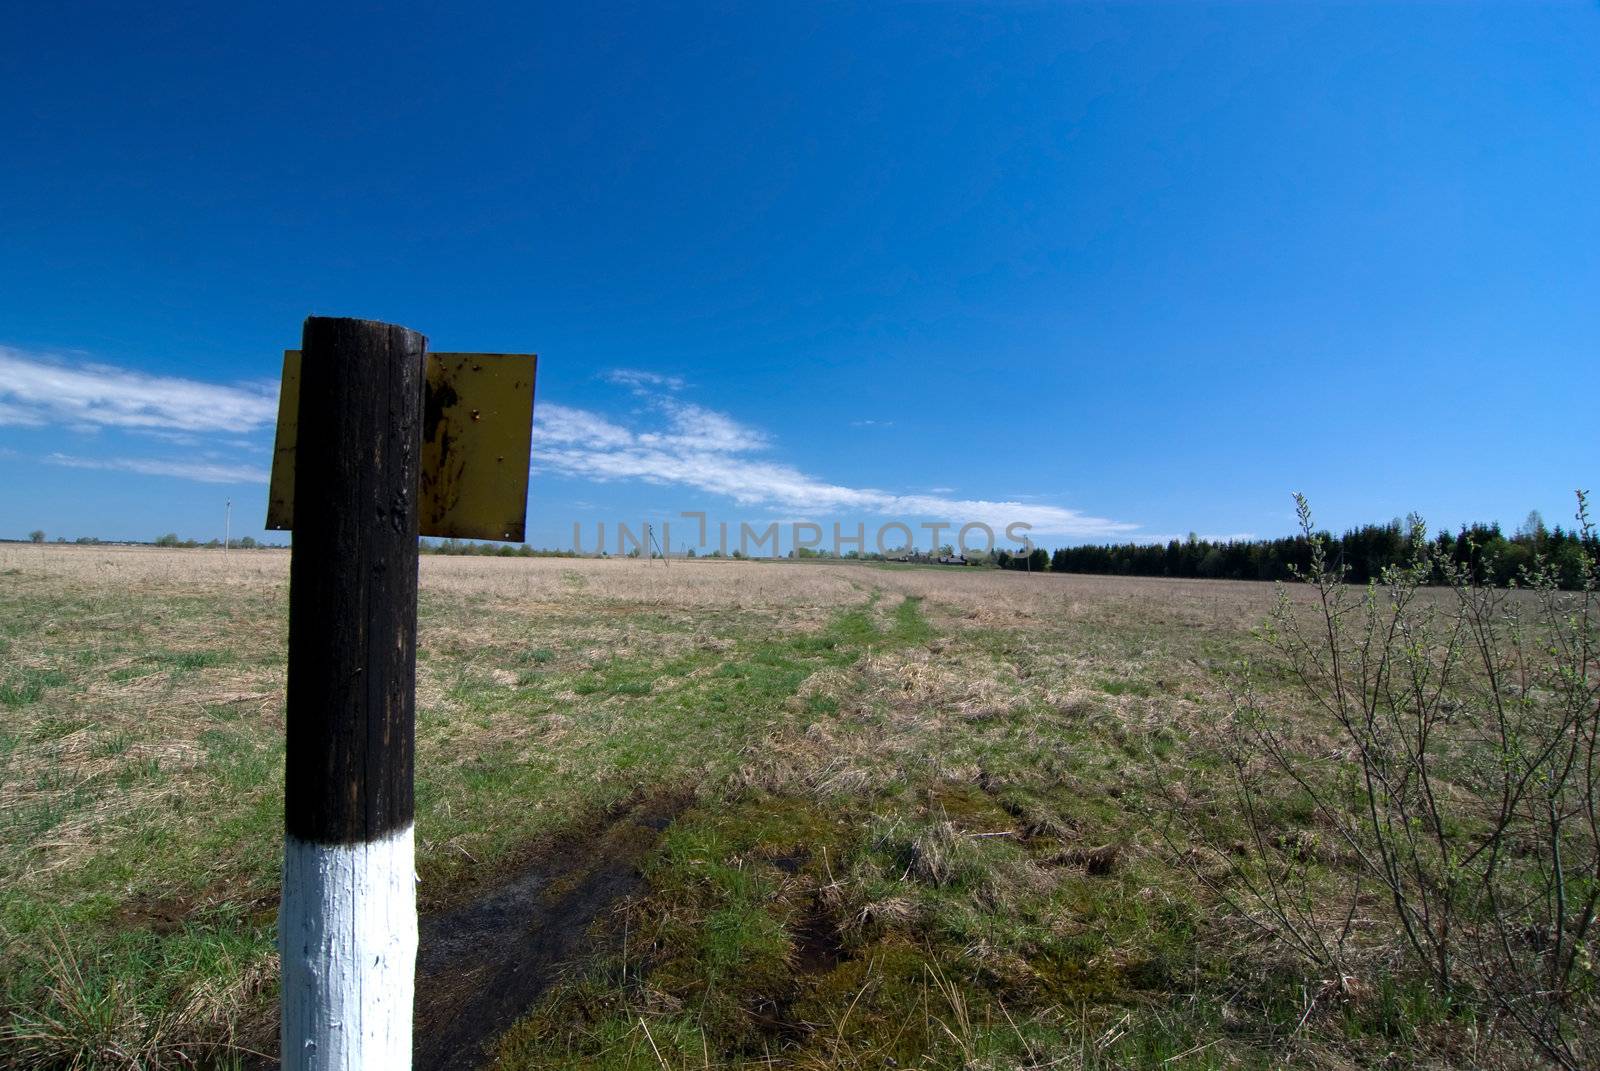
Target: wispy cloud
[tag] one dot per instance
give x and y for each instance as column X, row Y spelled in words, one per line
column 711, row 452
column 872, row 423
column 577, row 427
column 38, row 391
column 672, row 443
column 201, row 471
column 643, row 382
column 17, row 416
column 694, row 428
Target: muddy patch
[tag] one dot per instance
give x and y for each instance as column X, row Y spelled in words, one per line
column 484, row 962
column 817, row 949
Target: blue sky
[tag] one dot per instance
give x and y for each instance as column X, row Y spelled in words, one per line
column 1118, row 271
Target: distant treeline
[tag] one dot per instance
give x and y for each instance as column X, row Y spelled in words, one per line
column 1481, row 551
column 243, row 543
column 494, row 550
column 168, row 540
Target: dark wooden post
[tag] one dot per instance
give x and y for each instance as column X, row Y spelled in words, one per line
column 348, row 921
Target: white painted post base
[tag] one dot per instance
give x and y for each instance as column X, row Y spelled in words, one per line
column 347, row 932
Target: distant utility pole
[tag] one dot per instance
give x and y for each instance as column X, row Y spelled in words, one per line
column 227, row 525
column 650, row 534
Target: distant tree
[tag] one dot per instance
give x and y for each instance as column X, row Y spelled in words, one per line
column 1533, row 527
column 36, row 536
column 1569, row 562
column 248, row 543
column 168, row 540
column 1533, row 538
column 1514, row 560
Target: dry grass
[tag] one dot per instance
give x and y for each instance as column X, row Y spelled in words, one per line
column 685, row 584
column 988, row 734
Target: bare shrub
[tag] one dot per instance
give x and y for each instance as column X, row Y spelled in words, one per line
column 1451, row 808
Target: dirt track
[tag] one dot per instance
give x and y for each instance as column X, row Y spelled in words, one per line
column 483, row 962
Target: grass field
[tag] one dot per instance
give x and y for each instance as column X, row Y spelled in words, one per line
column 884, row 817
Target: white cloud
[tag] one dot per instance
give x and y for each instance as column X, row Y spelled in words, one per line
column 710, row 452
column 695, row 428
column 36, row 391
column 643, row 382
column 872, row 423
column 17, row 416
column 201, row 471
column 688, row 427
column 566, row 426
column 687, row 445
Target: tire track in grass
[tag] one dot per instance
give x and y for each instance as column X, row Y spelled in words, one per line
column 484, row 963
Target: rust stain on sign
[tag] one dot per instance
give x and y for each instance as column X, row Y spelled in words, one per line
column 476, row 432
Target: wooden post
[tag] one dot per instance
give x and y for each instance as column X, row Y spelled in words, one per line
column 347, row 927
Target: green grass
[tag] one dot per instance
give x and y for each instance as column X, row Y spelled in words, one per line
column 181, row 661
column 1138, row 688
column 27, row 686
column 777, row 927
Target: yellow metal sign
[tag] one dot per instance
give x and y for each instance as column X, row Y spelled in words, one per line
column 280, row 487
column 477, row 428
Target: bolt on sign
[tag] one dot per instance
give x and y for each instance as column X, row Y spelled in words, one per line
column 476, row 433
